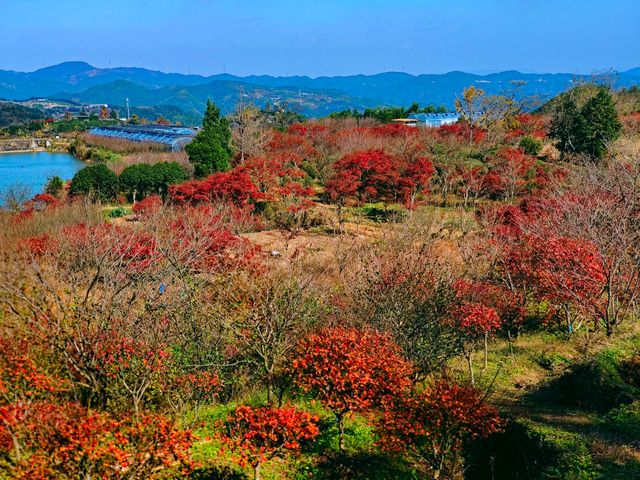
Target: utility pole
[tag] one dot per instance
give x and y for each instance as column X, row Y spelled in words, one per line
column 127, row 109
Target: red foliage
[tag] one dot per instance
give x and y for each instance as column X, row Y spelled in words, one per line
column 23, row 215
column 392, row 130
column 462, row 131
column 43, row 436
column 117, row 356
column 197, row 386
column 537, row 258
column 51, row 440
column 45, row 200
column 135, row 251
column 234, row 186
column 294, row 145
column 138, row 251
column 631, row 123
column 21, row 380
column 472, row 182
column 38, row 246
column 278, row 179
column 307, row 129
column 509, row 305
column 366, row 175
column 415, row 178
column 558, row 269
column 432, row 425
column 376, row 175
column 535, row 126
column 256, row 435
column 512, row 174
column 475, row 319
column 350, row 370
column 148, row 205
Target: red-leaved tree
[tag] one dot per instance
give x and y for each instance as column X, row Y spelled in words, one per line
column 257, row 435
column 433, row 424
column 350, row 370
column 475, row 322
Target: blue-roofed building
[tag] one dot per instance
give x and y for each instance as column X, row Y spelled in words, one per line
column 435, row 119
column 174, row 137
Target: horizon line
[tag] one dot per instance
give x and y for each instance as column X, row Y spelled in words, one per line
column 594, row 72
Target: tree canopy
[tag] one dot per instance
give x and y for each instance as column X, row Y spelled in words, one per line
column 141, row 179
column 97, row 180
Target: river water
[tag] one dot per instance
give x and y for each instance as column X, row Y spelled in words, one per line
column 32, row 169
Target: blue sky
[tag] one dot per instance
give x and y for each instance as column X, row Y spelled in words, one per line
column 323, row 37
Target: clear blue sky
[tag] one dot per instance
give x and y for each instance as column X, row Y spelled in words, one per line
column 323, row 37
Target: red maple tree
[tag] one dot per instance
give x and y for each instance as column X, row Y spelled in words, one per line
column 257, row 435
column 433, row 424
column 350, row 370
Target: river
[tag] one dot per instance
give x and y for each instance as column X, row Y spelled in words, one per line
column 32, row 169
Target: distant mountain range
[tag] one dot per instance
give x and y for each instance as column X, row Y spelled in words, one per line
column 82, row 83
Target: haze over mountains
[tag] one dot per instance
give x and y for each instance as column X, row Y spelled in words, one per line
column 82, row 83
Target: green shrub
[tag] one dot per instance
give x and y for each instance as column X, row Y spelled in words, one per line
column 356, row 466
column 379, row 213
column 118, row 212
column 625, row 420
column 102, row 155
column 530, row 145
column 141, row 180
column 54, row 186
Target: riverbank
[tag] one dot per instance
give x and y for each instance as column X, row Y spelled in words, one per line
column 31, row 150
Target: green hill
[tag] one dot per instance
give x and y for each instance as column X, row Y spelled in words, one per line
column 16, row 114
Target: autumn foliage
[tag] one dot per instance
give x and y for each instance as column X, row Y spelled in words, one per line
column 238, row 296
column 350, row 370
column 45, row 435
column 432, row 425
column 234, row 186
column 257, row 435
column 375, row 175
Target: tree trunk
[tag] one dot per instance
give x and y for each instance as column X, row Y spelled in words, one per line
column 256, row 472
column 567, row 313
column 486, row 350
column 470, row 364
column 340, row 419
column 510, row 343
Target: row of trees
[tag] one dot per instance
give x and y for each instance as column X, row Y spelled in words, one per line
column 387, row 114
column 135, row 182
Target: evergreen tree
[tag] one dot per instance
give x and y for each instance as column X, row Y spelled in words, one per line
column 211, row 149
column 564, row 126
column 599, row 124
column 588, row 130
column 140, row 180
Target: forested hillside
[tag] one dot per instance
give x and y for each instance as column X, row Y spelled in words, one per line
column 15, row 114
